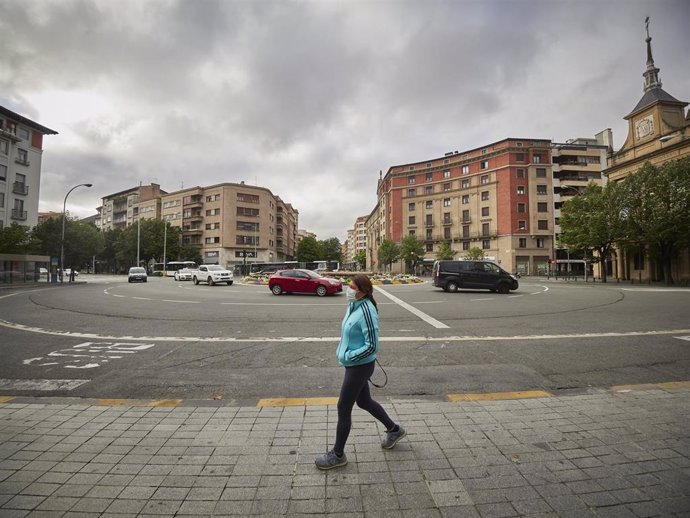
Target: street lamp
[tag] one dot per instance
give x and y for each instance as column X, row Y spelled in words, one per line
column 62, row 240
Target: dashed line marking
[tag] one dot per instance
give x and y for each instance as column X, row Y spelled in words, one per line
column 496, row 396
column 183, row 301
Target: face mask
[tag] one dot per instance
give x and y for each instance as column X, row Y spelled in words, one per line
column 350, row 294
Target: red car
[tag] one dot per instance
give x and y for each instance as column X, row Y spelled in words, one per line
column 303, row 281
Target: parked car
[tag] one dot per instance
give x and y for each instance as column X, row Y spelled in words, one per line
column 453, row 275
column 212, row 274
column 137, row 274
column 184, row 274
column 68, row 272
column 303, row 281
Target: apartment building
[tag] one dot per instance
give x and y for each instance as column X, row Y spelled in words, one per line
column 21, row 151
column 124, row 208
column 498, row 197
column 232, row 223
column 576, row 163
column 356, row 239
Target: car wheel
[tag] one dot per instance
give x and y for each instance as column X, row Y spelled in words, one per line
column 210, row 282
column 195, row 280
column 146, row 280
column 503, row 288
column 176, row 277
column 451, row 286
column 229, row 283
column 276, row 289
column 321, row 291
column 129, row 280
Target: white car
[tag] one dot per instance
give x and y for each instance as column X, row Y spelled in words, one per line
column 184, row 274
column 137, row 274
column 212, row 274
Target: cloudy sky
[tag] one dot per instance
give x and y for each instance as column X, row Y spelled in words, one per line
column 313, row 98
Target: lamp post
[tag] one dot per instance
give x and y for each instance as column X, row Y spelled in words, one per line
column 62, row 240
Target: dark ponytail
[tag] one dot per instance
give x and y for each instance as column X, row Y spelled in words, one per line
column 364, row 285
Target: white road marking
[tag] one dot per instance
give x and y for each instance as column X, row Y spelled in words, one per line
column 88, row 355
column 183, row 301
column 428, row 319
column 141, row 298
column 39, row 384
column 657, row 290
column 121, row 296
column 687, row 338
column 476, row 300
column 306, row 339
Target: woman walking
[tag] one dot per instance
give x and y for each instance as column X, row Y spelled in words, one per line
column 359, row 344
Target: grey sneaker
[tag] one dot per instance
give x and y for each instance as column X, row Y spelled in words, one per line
column 330, row 460
column 392, row 438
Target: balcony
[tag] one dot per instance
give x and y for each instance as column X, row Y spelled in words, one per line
column 6, row 132
column 447, row 222
column 20, row 188
column 195, row 216
column 22, row 161
column 192, row 231
column 195, row 201
column 18, row 214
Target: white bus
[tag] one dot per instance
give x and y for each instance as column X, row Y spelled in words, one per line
column 171, row 267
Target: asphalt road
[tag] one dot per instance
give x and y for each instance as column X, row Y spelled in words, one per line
column 106, row 338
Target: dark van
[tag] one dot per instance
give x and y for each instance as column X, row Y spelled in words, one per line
column 477, row 275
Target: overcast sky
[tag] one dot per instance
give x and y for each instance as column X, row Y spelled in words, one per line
column 311, row 99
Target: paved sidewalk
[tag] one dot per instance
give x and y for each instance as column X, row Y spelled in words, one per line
column 601, row 454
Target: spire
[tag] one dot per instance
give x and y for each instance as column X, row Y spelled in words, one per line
column 651, row 75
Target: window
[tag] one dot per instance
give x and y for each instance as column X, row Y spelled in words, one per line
column 522, row 242
column 484, row 164
column 446, row 233
column 446, row 173
column 213, row 212
column 247, row 226
column 541, row 189
column 638, row 261
column 466, row 183
column 429, row 189
column 429, row 204
column 245, row 211
column 519, row 157
column 466, row 215
column 429, row 177
column 521, row 207
column 410, row 180
column 465, row 199
column 536, row 158
column 3, row 146
column 542, row 207
column 485, row 195
column 410, row 206
column 411, row 232
column 411, row 220
column 3, row 173
column 446, row 218
column 411, row 168
column 522, row 224
column 22, row 156
column 23, row 133
column 212, row 226
column 541, row 172
column 485, row 179
column 540, row 242
column 212, row 240
column 520, row 173
column 247, row 198
column 428, row 234
column 486, row 244
column 429, row 247
column 2, row 200
column 485, row 212
column 465, row 231
column 429, row 220
column 485, row 229
column 465, row 169
column 428, row 164
column 446, row 187
column 465, row 245
column 247, row 240
column 411, row 192
column 543, row 224
column 446, row 202
column 521, row 189
column 213, row 197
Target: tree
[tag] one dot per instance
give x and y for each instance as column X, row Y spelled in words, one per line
column 361, row 259
column 82, row 241
column 658, row 210
column 389, row 252
column 331, row 249
column 475, row 254
column 595, row 220
column 16, row 239
column 155, row 238
column 445, row 251
column 309, row 249
column 412, row 251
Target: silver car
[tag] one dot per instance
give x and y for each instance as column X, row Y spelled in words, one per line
column 137, row 274
column 184, row 274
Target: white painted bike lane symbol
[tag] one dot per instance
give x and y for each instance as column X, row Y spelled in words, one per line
column 88, row 355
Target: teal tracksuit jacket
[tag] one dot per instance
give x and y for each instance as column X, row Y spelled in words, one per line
column 359, row 337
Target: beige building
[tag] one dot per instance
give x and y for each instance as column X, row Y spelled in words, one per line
column 124, row 208
column 658, row 131
column 233, row 223
column 356, row 239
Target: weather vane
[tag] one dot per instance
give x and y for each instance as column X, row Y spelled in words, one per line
column 646, row 25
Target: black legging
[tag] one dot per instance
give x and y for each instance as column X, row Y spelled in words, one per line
column 355, row 389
